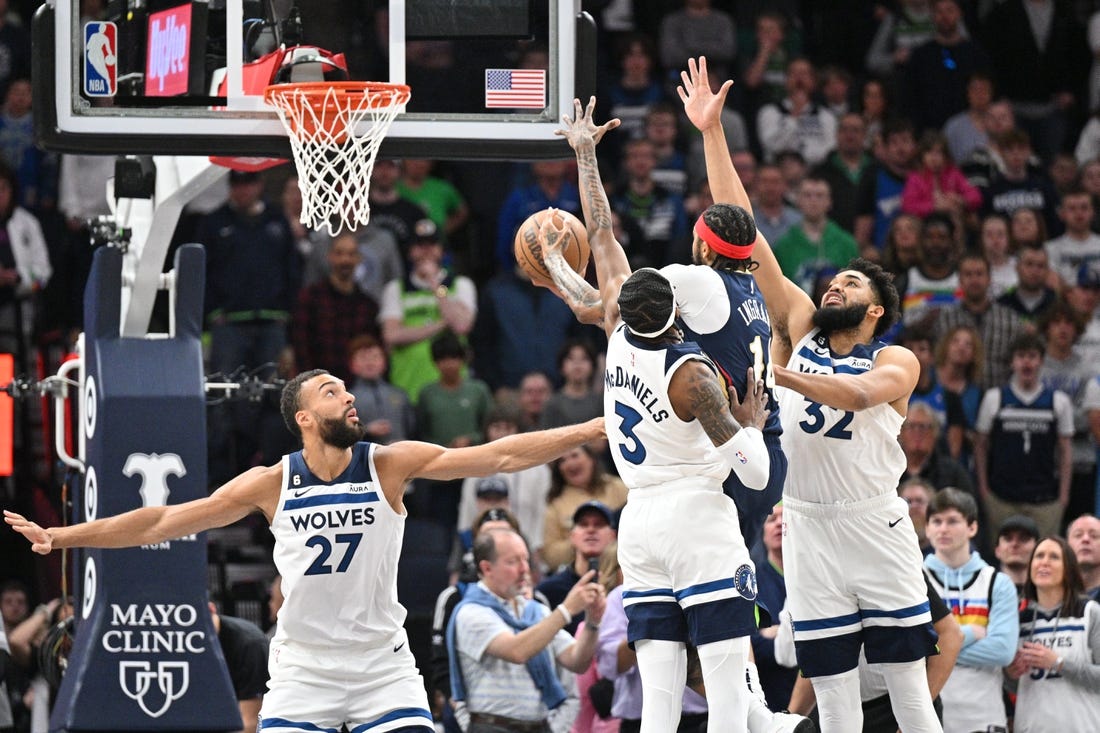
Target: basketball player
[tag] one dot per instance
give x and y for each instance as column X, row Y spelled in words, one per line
column 851, row 560
column 719, row 307
column 687, row 573
column 340, row 655
column 661, row 668
column 703, row 292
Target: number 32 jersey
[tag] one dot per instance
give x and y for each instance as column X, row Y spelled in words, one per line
column 651, row 446
column 336, row 545
column 838, row 455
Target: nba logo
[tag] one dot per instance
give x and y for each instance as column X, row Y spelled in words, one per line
column 100, row 59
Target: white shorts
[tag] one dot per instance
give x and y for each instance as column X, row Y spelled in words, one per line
column 686, row 573
column 315, row 689
column 854, row 577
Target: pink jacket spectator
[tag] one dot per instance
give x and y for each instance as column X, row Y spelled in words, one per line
column 918, row 196
column 587, row 719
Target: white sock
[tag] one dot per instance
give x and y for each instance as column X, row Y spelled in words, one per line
column 663, row 669
column 728, row 696
column 752, row 675
column 838, row 704
column 909, row 697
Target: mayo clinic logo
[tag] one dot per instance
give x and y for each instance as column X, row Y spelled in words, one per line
column 136, row 680
column 100, row 59
column 156, row 629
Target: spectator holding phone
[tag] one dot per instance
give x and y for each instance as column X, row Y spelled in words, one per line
column 592, row 532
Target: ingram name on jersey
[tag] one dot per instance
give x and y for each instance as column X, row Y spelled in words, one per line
column 724, row 313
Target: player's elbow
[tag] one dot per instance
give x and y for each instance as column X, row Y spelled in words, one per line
column 748, row 456
column 861, row 398
column 753, row 477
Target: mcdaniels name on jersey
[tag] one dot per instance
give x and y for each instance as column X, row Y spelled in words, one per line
column 619, row 377
column 334, row 518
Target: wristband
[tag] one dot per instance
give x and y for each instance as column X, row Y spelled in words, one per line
column 593, row 625
column 565, row 614
column 746, row 453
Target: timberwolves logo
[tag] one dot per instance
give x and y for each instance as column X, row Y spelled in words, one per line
column 154, row 471
column 744, row 582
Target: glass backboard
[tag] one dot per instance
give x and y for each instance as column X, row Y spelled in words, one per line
column 490, row 79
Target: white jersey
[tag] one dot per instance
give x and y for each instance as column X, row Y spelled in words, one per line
column 1066, row 702
column 336, row 546
column 842, row 456
column 651, row 446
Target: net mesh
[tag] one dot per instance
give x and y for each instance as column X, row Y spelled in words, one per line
column 335, row 130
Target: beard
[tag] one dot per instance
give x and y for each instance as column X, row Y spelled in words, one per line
column 837, row 318
column 339, row 434
column 696, row 256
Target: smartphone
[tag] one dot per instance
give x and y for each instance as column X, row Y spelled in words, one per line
column 594, row 564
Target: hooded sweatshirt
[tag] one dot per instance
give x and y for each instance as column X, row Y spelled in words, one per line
column 978, row 596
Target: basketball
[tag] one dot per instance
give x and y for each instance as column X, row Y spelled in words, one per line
column 528, row 251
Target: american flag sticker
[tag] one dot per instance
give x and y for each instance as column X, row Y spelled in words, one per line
column 515, row 88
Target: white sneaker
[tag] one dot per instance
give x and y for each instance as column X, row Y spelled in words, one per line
column 791, row 723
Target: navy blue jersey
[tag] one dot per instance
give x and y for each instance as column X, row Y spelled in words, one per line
column 724, row 313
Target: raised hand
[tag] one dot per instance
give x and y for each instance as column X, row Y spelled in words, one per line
column 702, row 105
column 750, row 412
column 585, row 593
column 553, row 237
column 40, row 539
column 580, row 130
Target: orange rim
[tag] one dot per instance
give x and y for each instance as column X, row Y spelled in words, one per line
column 325, row 97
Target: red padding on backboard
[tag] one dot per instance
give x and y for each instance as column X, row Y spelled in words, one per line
column 7, row 415
column 255, row 77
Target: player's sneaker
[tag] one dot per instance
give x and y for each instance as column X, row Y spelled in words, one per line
column 791, row 723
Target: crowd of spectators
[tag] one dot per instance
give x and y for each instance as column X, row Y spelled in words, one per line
column 955, row 141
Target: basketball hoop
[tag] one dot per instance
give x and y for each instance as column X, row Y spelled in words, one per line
column 335, row 129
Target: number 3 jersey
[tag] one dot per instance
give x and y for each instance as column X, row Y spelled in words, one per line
column 651, row 446
column 336, row 545
column 838, row 455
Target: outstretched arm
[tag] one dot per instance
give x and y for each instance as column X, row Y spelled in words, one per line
column 612, row 267
column 789, row 308
column 399, row 462
column 255, row 490
column 891, row 380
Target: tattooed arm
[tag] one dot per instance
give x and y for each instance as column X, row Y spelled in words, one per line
column 583, row 299
column 612, row 267
column 696, row 393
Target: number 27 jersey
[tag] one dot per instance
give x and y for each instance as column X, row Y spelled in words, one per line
column 650, row 445
column 838, row 455
column 336, row 545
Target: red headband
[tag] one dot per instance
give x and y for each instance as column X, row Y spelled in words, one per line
column 721, row 246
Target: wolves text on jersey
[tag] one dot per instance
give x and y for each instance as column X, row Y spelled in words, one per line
column 333, row 518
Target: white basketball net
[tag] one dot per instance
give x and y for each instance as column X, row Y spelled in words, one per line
column 334, row 137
